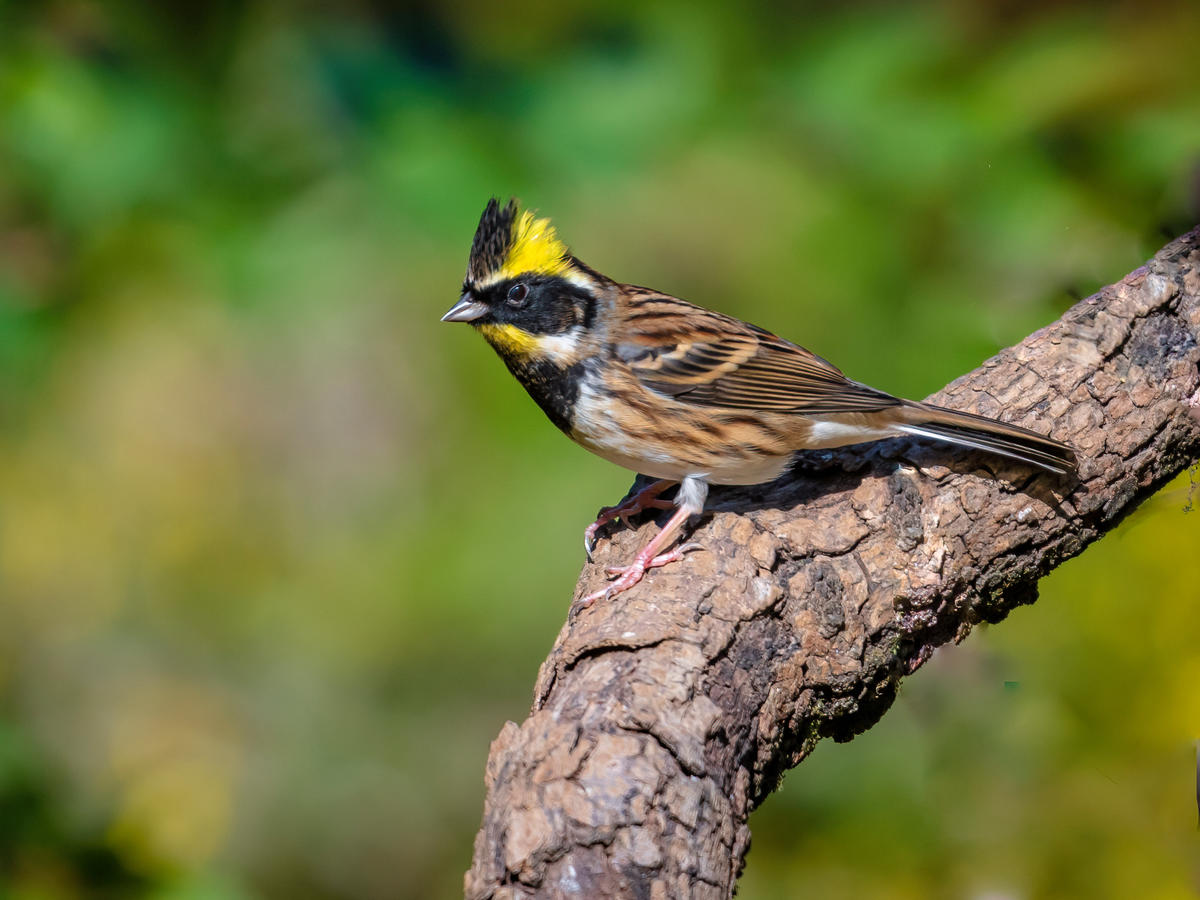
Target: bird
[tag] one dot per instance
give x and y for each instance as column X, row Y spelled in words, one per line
column 680, row 394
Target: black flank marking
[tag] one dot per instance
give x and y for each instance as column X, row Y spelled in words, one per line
column 708, row 426
column 765, row 432
column 753, row 451
column 749, row 421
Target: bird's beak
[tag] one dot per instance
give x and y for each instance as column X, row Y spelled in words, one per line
column 467, row 309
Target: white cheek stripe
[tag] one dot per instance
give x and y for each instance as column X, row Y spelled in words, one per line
column 562, row 348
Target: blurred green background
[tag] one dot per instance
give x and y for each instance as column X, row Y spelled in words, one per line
column 279, row 552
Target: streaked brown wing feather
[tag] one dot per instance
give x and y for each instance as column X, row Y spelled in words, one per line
column 704, row 357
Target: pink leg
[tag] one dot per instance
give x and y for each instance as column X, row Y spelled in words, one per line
column 648, row 557
column 646, row 498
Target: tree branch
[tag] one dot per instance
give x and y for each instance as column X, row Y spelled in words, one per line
column 663, row 717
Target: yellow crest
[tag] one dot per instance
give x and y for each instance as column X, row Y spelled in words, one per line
column 536, row 248
column 510, row 242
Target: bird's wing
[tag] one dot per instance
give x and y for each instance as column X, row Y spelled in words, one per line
column 702, row 357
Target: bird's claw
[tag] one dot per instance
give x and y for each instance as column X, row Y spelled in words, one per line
column 662, row 559
column 628, row 576
column 647, row 498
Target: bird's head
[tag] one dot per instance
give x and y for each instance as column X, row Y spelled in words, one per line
column 524, row 290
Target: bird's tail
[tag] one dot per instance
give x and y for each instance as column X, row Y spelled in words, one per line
column 980, row 433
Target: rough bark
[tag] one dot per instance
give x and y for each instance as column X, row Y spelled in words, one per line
column 663, row 717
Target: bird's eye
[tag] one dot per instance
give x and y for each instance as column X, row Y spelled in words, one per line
column 517, row 294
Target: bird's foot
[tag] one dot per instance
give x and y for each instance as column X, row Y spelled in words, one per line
column 628, row 576
column 646, row 498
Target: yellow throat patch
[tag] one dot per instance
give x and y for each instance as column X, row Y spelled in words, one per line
column 509, row 339
column 535, row 248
